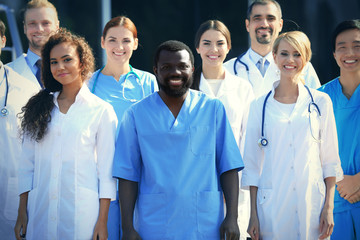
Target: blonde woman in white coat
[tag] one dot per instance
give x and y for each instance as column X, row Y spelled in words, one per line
column 213, row 42
column 291, row 153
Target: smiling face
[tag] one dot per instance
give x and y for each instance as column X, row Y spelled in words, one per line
column 347, row 50
column 174, row 72
column 65, row 64
column 39, row 25
column 264, row 24
column 119, row 44
column 288, row 59
column 213, row 48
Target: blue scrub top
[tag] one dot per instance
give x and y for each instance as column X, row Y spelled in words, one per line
column 177, row 163
column 110, row 90
column 347, row 117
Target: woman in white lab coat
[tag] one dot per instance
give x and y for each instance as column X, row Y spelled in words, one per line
column 291, row 153
column 213, row 42
column 65, row 180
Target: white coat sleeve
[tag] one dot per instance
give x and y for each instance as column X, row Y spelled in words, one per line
column 329, row 152
column 249, row 98
column 26, row 165
column 253, row 154
column 105, row 148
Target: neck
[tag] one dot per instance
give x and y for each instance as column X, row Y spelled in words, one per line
column 211, row 72
column 116, row 70
column 70, row 91
column 349, row 82
column 287, row 91
column 261, row 49
column 36, row 51
column 173, row 103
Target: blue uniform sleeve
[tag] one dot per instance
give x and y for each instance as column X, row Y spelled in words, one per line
column 228, row 155
column 127, row 158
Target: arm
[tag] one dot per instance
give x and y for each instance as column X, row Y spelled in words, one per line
column 100, row 231
column 230, row 184
column 326, row 217
column 128, row 192
column 253, row 229
column 349, row 185
column 22, row 218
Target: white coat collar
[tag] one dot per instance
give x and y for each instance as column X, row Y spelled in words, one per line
column 224, row 87
column 83, row 94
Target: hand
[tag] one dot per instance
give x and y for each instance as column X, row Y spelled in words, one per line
column 326, row 222
column 348, row 186
column 229, row 229
column 21, row 225
column 130, row 235
column 354, row 198
column 254, row 229
column 100, row 231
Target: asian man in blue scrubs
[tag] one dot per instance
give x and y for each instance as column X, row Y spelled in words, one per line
column 176, row 157
column 344, row 92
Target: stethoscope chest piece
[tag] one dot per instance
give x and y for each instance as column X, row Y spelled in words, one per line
column 4, row 112
column 263, row 142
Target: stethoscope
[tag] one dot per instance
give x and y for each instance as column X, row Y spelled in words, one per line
column 263, row 142
column 238, row 60
column 123, row 90
column 4, row 112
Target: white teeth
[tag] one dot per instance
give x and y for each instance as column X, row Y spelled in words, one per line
column 350, row 61
column 119, row 54
column 289, row 67
column 213, row 57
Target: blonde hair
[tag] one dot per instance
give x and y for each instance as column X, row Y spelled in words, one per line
column 40, row 4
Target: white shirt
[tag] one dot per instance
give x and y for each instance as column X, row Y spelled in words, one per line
column 70, row 169
column 290, row 171
column 263, row 84
column 236, row 94
column 20, row 90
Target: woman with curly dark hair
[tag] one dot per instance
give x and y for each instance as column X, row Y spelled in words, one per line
column 65, row 181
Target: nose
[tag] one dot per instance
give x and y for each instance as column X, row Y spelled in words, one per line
column 39, row 27
column 264, row 23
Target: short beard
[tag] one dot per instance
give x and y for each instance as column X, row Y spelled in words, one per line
column 176, row 92
column 263, row 40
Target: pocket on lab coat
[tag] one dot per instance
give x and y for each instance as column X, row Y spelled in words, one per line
column 265, row 211
column 198, row 136
column 210, row 213
column 152, row 215
column 12, row 199
column 87, row 212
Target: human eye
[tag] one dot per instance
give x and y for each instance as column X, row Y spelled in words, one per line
column 53, row 62
column 164, row 67
column 68, row 59
column 297, row 55
column 285, row 54
column 126, row 40
column 184, row 66
column 271, row 18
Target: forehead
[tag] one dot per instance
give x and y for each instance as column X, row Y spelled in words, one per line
column 119, row 31
column 269, row 9
column 212, row 34
column 348, row 36
column 62, row 49
column 286, row 46
column 171, row 57
column 40, row 14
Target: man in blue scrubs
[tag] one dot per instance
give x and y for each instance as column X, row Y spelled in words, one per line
column 344, row 92
column 176, row 157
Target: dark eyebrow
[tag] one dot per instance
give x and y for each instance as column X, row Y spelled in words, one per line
column 65, row 56
column 205, row 40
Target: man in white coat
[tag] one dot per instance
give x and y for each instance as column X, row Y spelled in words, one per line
column 14, row 93
column 40, row 22
column 264, row 22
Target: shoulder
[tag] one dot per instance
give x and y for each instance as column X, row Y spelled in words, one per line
column 330, row 86
column 320, row 97
column 17, row 61
column 144, row 75
column 20, row 81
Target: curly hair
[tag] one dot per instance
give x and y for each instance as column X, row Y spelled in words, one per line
column 36, row 114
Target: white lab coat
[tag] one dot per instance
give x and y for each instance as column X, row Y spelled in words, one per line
column 236, row 94
column 262, row 85
column 20, row 90
column 290, row 171
column 20, row 66
column 70, row 169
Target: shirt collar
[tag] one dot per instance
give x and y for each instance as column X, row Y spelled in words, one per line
column 82, row 94
column 254, row 56
column 32, row 57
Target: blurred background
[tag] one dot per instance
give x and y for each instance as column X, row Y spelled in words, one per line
column 160, row 20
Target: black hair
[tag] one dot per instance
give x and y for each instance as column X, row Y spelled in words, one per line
column 2, row 29
column 342, row 27
column 172, row 46
column 36, row 114
column 262, row 2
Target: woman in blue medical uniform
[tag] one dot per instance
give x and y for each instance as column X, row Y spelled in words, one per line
column 291, row 154
column 213, row 42
column 65, row 180
column 120, row 84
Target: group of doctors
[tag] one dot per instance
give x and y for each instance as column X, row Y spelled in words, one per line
column 290, row 137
